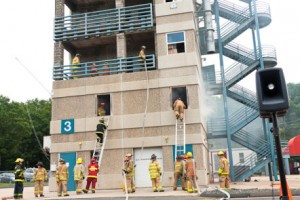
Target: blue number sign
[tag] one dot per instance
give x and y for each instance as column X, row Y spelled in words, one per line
column 67, row 126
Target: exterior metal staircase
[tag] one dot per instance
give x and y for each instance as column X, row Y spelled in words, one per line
column 238, row 20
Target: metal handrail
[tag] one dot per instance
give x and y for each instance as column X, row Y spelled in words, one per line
column 103, row 22
column 103, row 67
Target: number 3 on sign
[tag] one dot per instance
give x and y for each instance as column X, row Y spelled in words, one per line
column 67, row 126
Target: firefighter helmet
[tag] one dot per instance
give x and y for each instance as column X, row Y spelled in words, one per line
column 220, row 153
column 101, row 120
column 61, row 160
column 128, row 155
column 178, row 157
column 39, row 164
column 19, row 160
column 189, row 154
column 143, row 47
column 153, row 157
column 79, row 160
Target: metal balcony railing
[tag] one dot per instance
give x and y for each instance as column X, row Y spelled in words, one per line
column 103, row 67
column 104, row 22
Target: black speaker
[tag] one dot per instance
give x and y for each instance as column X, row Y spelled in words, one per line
column 271, row 92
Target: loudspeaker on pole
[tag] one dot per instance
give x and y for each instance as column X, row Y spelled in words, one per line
column 271, row 92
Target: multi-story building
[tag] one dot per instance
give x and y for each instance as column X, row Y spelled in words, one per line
column 138, row 95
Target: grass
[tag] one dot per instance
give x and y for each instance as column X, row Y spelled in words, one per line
column 26, row 184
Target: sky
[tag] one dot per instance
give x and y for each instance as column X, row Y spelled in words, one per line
column 26, row 46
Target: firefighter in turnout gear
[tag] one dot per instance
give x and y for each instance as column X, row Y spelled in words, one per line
column 79, row 175
column 190, row 167
column 75, row 66
column 19, row 179
column 62, row 176
column 155, row 173
column 101, row 127
column 179, row 172
column 40, row 175
column 223, row 171
column 92, row 176
column 179, row 107
column 129, row 173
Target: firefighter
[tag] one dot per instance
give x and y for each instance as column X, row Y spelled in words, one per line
column 190, row 167
column 223, row 171
column 142, row 59
column 40, row 175
column 179, row 172
column 129, row 172
column 92, row 176
column 101, row 127
column 179, row 107
column 19, row 179
column 142, row 53
column 155, row 173
column 101, row 110
column 75, row 65
column 62, row 176
column 79, row 175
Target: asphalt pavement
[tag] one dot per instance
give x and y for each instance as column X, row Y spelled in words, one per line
column 259, row 188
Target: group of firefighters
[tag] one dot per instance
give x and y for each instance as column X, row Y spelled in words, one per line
column 184, row 169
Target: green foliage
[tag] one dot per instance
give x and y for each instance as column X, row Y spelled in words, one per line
column 290, row 124
column 17, row 133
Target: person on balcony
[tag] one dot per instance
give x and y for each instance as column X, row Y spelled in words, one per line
column 142, row 56
column 94, row 71
column 223, row 171
column 179, row 107
column 75, row 66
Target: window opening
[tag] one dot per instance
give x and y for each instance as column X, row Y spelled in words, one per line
column 179, row 92
column 176, row 43
column 103, row 105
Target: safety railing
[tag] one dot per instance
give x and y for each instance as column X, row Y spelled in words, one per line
column 248, row 61
column 103, row 67
column 241, row 14
column 104, row 22
column 243, row 93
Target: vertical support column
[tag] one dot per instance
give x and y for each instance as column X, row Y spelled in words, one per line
column 120, row 3
column 58, row 47
column 121, row 48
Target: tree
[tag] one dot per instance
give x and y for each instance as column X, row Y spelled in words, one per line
column 17, row 132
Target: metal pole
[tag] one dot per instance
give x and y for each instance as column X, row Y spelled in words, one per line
column 224, row 92
column 279, row 158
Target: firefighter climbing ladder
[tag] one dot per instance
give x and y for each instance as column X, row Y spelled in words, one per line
column 99, row 148
column 179, row 137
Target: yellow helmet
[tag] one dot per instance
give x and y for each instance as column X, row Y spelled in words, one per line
column 19, row 160
column 189, row 154
column 79, row 160
column 220, row 153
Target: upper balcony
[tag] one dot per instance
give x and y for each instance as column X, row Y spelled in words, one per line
column 104, row 67
column 104, row 22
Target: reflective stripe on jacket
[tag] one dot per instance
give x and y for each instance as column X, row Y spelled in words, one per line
column 62, row 173
column 93, row 170
column 129, row 167
column 178, row 168
column 154, row 169
column 19, row 174
column 40, row 174
column 189, row 167
column 223, row 166
column 78, row 172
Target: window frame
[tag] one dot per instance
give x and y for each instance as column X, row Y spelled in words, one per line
column 184, row 99
column 184, row 42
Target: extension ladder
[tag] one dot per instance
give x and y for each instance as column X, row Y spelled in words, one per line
column 99, row 148
column 179, row 137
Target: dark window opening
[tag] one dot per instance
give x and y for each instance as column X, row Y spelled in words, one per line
column 103, row 105
column 169, row 0
column 179, row 92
